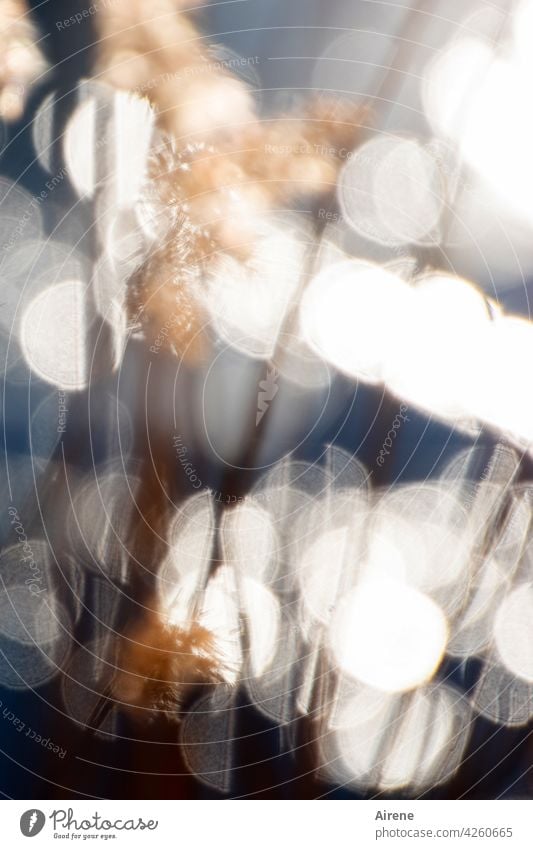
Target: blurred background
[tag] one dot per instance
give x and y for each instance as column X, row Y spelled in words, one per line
column 121, row 444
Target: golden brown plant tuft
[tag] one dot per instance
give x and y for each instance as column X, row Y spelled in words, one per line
column 160, row 665
column 21, row 60
column 221, row 168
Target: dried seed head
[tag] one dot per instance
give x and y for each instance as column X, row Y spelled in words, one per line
column 161, row 665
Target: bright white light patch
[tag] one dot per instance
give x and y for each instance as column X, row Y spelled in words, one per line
column 501, row 395
column 452, row 79
column 422, row 537
column 478, row 100
column 79, row 148
column 219, row 613
column 263, row 615
column 321, row 570
column 351, row 313
column 53, row 335
column 391, row 191
column 248, row 301
column 42, row 131
column 523, row 33
column 441, row 358
column 133, row 122
column 249, row 540
column 411, row 742
column 513, row 632
column 108, row 138
column 388, row 636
